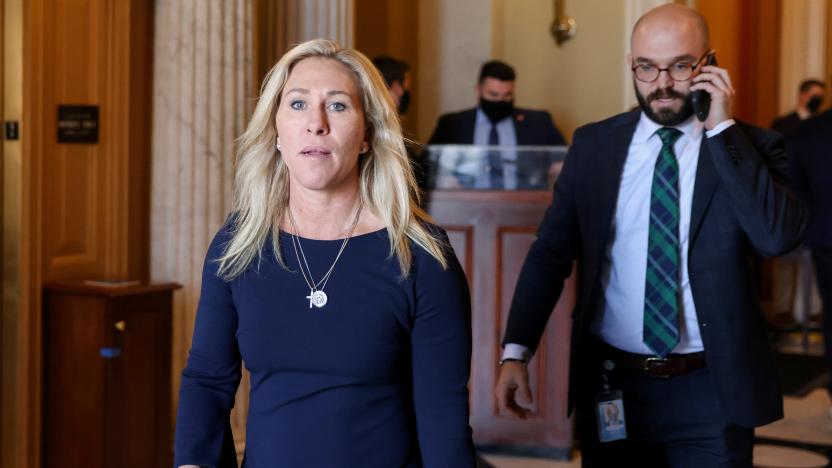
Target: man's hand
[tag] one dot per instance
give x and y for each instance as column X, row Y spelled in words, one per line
column 513, row 380
column 716, row 82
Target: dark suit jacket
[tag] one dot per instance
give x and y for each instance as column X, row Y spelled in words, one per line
column 740, row 204
column 786, row 124
column 532, row 128
column 810, row 151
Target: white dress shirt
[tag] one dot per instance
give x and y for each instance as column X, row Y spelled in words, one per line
column 620, row 320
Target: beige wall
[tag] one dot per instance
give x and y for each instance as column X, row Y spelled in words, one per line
column 454, row 40
column 802, row 47
column 581, row 82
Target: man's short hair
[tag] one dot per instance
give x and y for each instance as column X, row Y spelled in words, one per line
column 498, row 70
column 391, row 69
column 806, row 85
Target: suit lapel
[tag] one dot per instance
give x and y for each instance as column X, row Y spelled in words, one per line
column 703, row 189
column 609, row 175
column 520, row 127
column 468, row 123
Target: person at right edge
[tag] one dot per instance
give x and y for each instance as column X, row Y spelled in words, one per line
column 662, row 211
column 811, row 175
column 810, row 96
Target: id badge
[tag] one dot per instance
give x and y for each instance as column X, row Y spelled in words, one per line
column 610, row 411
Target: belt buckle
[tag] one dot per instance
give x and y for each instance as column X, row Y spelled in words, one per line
column 657, row 367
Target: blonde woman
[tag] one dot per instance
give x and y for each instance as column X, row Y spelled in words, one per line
column 347, row 306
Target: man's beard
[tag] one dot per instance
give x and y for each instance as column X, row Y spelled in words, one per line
column 666, row 116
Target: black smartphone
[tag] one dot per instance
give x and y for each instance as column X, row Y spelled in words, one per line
column 701, row 100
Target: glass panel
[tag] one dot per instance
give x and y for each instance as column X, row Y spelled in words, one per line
column 473, row 167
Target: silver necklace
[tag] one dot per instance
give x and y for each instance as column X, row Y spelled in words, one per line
column 317, row 296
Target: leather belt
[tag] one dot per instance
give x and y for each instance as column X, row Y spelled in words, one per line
column 671, row 366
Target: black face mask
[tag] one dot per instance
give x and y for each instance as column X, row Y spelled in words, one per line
column 404, row 102
column 496, row 110
column 814, row 104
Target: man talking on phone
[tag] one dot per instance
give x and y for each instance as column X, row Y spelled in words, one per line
column 661, row 211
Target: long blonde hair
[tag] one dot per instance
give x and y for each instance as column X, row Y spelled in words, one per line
column 387, row 184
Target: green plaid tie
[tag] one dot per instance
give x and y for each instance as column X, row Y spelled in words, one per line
column 661, row 294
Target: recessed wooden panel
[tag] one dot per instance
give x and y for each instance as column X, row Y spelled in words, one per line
column 84, row 211
column 75, row 51
column 107, row 376
column 512, row 247
column 94, row 195
column 73, row 329
column 500, row 227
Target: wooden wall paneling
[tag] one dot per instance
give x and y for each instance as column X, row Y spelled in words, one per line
column 136, row 69
column 5, row 277
column 372, row 21
column 12, row 199
column 746, row 37
column 33, row 138
column 76, row 331
column 97, row 195
column 73, row 177
column 492, row 232
column 107, row 409
column 391, row 27
column 759, row 62
column 511, row 246
column 83, row 210
column 143, row 440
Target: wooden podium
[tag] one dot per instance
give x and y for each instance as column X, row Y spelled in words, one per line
column 491, row 232
column 107, row 375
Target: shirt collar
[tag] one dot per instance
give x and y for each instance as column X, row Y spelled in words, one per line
column 482, row 118
column 646, row 128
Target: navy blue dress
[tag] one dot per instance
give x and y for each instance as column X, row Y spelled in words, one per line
column 376, row 378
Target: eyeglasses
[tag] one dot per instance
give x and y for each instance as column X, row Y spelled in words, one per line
column 678, row 71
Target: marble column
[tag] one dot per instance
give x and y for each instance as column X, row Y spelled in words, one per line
column 803, row 54
column 803, row 44
column 202, row 99
column 329, row 19
column 633, row 9
column 204, row 86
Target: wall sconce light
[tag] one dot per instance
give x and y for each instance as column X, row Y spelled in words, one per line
column 564, row 26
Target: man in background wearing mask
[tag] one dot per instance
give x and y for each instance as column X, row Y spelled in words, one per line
column 809, row 100
column 495, row 121
column 396, row 74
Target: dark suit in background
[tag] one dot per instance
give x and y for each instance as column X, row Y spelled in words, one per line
column 532, row 128
column 786, row 124
column 810, row 150
column 740, row 205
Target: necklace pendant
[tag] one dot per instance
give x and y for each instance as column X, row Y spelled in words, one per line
column 317, row 298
